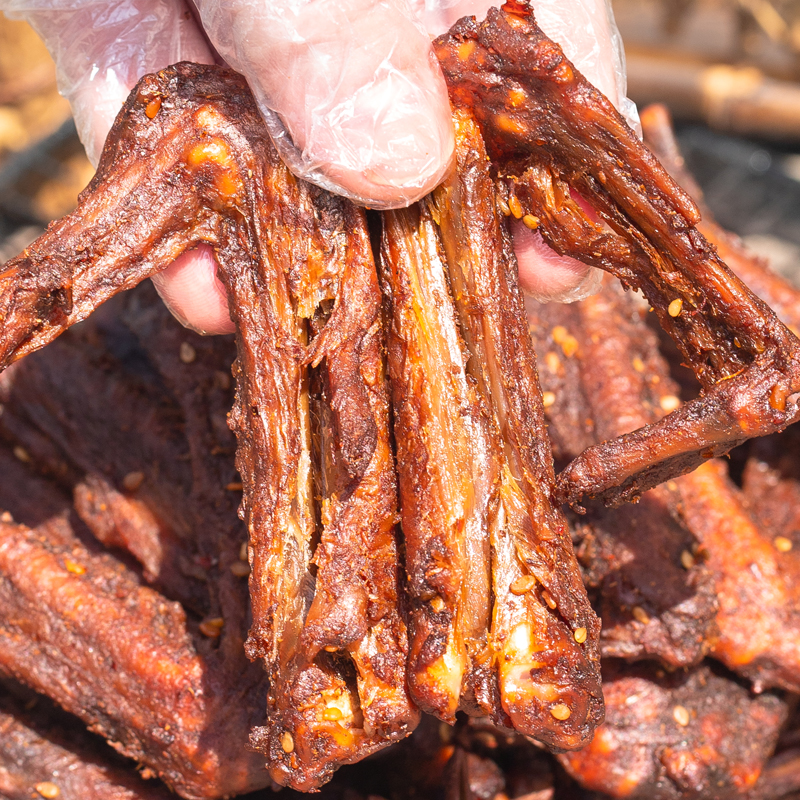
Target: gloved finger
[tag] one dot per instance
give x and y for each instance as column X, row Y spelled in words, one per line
column 194, row 294
column 545, row 275
column 102, row 48
column 586, row 31
column 350, row 90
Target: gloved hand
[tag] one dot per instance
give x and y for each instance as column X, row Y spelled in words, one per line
column 350, row 91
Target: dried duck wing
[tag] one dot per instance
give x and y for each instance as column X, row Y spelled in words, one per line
column 339, row 692
column 474, row 476
column 196, row 130
column 543, row 631
column 447, row 464
column 677, row 736
column 771, row 487
column 758, row 581
column 43, row 754
column 78, row 627
column 604, row 377
column 546, row 125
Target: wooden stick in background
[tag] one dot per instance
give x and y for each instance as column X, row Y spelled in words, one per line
column 734, row 99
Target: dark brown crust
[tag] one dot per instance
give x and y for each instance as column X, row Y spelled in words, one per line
column 677, row 737
column 544, row 123
column 148, row 690
column 39, row 745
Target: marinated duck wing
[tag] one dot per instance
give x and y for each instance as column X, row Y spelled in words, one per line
column 500, row 621
column 758, row 581
column 187, row 163
column 552, row 133
column 748, row 536
column 77, row 626
column 338, row 687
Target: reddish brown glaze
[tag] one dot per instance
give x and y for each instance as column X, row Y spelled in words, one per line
column 551, row 132
column 677, row 737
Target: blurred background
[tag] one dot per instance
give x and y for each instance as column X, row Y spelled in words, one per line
column 729, row 71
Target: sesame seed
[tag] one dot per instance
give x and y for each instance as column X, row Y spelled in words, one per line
column 569, row 346
column 132, row 481
column 522, row 585
column 48, row 790
column 240, row 569
column 687, row 559
column 548, row 399
column 669, row 402
column 782, row 544
column 675, row 307
column 561, row 711
column 559, row 333
column 153, row 107
column 548, row 598
column 640, row 615
column 212, row 627
column 529, row 221
column 187, row 353
column 681, row 715
column 580, row 635
column 332, row 714
column 515, row 206
column 437, row 604
column 287, row 742
column 21, row 454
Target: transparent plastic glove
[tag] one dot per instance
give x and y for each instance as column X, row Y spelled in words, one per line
column 349, row 89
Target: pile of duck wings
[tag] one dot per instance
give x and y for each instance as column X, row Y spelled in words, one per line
column 398, row 409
